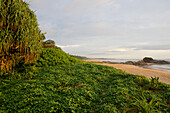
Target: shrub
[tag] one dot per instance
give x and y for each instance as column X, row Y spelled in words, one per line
column 51, row 57
column 154, row 83
column 20, row 36
column 49, row 44
column 143, row 105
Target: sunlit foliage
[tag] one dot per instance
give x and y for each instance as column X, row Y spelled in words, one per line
column 81, row 88
column 20, row 36
column 52, row 57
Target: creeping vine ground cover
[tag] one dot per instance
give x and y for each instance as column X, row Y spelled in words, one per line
column 77, row 88
column 80, row 87
column 51, row 57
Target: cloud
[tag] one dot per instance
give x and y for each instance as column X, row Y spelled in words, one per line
column 151, row 47
column 99, row 29
column 156, row 51
column 91, row 7
column 37, row 4
column 133, row 0
column 106, row 27
column 68, row 46
column 143, row 47
column 81, row 4
column 102, row 53
column 121, row 50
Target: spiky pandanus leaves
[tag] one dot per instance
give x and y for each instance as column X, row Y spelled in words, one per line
column 20, row 36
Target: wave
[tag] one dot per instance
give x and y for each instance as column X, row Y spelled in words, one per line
column 163, row 67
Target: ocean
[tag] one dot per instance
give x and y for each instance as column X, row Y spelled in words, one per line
column 162, row 67
column 115, row 60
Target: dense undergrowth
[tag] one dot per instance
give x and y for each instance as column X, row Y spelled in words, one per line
column 51, row 57
column 75, row 86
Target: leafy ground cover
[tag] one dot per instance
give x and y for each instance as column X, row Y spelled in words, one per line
column 58, row 82
column 51, row 57
column 81, row 88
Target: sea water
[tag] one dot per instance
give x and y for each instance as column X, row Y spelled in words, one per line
column 161, row 67
column 115, row 60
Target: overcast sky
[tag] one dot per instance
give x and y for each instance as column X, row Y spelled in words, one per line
column 107, row 28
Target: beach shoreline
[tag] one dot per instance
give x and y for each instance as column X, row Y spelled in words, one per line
column 138, row 70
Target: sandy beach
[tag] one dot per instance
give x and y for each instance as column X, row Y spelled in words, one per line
column 163, row 76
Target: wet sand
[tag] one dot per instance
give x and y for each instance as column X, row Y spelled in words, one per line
column 163, row 76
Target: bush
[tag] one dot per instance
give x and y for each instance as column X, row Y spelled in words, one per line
column 49, row 44
column 51, row 57
column 20, row 36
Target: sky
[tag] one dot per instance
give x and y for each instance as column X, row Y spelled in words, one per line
column 125, row 29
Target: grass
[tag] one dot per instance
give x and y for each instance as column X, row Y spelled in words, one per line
column 80, row 87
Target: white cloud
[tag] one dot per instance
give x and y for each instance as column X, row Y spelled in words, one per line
column 37, row 4
column 132, row 0
column 49, row 30
column 81, row 7
column 122, row 50
column 124, row 27
column 68, row 46
column 155, row 51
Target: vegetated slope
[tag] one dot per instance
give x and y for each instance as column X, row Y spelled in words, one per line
column 80, row 87
column 51, row 57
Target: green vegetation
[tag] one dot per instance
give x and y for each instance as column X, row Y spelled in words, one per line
column 58, row 82
column 77, row 86
column 143, row 105
column 49, row 44
column 80, row 57
column 155, row 82
column 20, row 37
column 52, row 57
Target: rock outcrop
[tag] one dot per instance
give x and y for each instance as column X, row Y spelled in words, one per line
column 147, row 59
column 151, row 60
column 138, row 63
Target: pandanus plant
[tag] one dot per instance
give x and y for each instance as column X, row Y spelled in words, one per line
column 20, row 37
